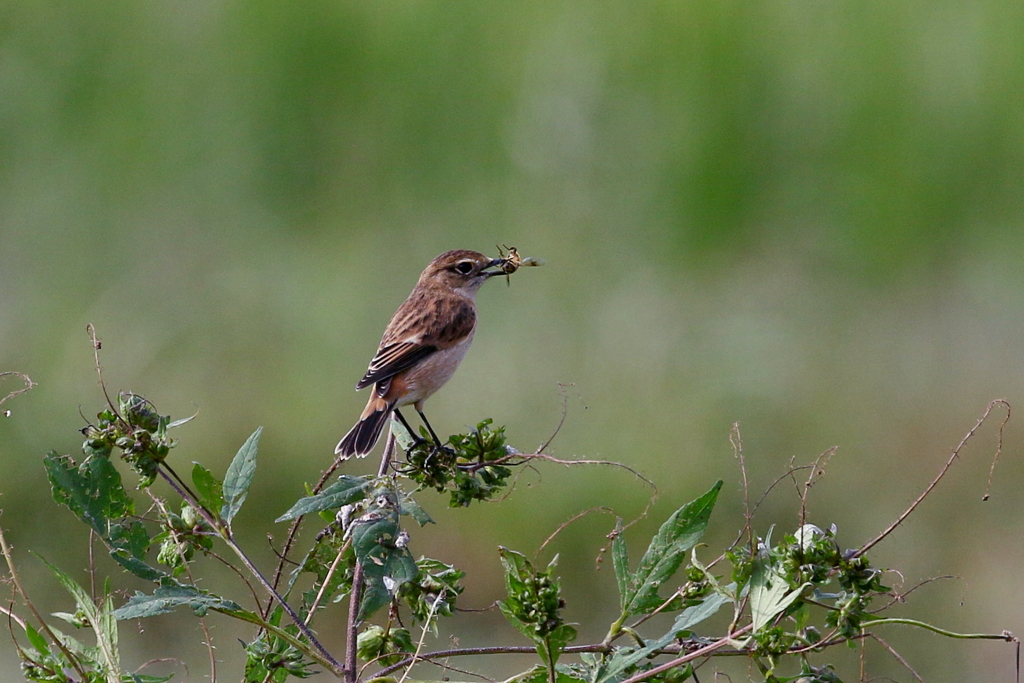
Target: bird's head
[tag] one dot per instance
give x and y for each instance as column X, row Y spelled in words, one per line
column 462, row 270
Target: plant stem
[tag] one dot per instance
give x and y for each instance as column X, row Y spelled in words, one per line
column 1005, row 635
column 614, row 630
column 350, row 630
column 492, row 650
column 255, row 619
column 225, row 533
column 21, row 591
column 696, row 654
column 327, row 579
column 293, row 532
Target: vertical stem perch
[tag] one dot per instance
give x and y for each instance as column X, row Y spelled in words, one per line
column 353, row 614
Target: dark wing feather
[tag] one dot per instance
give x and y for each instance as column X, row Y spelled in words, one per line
column 421, row 326
column 392, row 359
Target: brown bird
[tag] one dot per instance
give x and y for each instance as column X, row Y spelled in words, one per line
column 422, row 345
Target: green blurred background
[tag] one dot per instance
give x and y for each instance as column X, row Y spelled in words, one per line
column 805, row 217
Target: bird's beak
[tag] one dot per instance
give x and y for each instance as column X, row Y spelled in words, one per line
column 494, row 263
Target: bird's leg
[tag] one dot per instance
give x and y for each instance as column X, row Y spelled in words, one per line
column 438, row 445
column 416, row 438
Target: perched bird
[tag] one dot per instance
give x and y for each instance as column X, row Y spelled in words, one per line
column 422, row 345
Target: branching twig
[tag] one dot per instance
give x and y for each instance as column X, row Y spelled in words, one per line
column 32, row 608
column 24, row 378
column 96, row 346
column 180, row 547
column 696, row 654
column 322, row 654
column 11, row 615
column 423, row 635
column 899, row 658
column 561, row 420
column 494, row 650
column 327, row 579
column 566, row 523
column 942, row 473
column 293, row 532
column 736, row 439
column 817, row 470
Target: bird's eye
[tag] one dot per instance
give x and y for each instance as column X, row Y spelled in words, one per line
column 464, row 267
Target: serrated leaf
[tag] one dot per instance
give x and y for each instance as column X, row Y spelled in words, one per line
column 107, row 638
column 412, row 508
column 239, row 477
column 208, row 487
column 615, row 666
column 131, row 538
column 769, row 594
column 666, row 552
column 93, row 490
column 170, row 595
column 345, row 491
column 691, row 616
column 137, row 566
column 386, row 567
column 620, row 561
column 103, row 625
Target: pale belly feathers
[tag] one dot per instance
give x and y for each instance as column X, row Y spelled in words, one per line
column 432, row 372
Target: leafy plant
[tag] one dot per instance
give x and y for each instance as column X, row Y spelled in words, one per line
column 790, row 600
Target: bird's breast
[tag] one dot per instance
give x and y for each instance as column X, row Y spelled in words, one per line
column 430, row 374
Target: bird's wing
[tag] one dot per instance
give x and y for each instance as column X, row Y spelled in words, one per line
column 415, row 332
column 393, row 359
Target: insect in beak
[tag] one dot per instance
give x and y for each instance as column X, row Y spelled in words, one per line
column 511, row 262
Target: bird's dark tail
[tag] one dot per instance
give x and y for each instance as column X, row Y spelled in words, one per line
column 361, row 439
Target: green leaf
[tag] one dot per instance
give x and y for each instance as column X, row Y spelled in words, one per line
column 184, row 420
column 342, row 492
column 137, row 566
column 36, row 639
column 131, row 538
column 411, row 507
column 103, row 623
column 239, row 477
column 402, row 436
column 386, row 566
column 667, row 551
column 209, row 488
column 92, row 491
column 518, row 571
column 769, row 594
column 517, row 568
column 550, row 647
column 620, row 561
column 615, row 666
column 172, row 594
column 540, row 674
column 521, row 626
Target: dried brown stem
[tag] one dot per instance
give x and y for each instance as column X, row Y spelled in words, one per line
column 32, row 608
column 942, row 473
column 24, row 378
column 350, row 628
